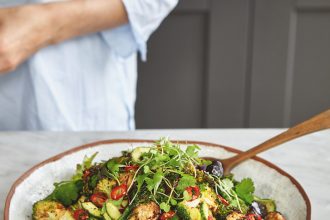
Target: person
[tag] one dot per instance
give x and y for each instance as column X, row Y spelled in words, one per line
column 72, row 65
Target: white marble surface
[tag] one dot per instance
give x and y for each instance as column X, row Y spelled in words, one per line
column 307, row 158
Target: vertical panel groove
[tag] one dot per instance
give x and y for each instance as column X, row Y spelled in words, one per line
column 249, row 59
column 290, row 70
column 205, row 83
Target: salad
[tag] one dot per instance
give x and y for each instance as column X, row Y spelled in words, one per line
column 160, row 182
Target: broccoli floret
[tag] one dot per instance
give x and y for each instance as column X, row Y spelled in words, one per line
column 187, row 213
column 105, row 185
column 47, row 210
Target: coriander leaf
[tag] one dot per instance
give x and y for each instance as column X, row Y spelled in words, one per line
column 140, row 180
column 173, row 202
column 205, row 162
column 245, row 190
column 185, row 181
column 146, row 169
column 192, row 151
column 153, row 184
column 87, row 163
column 66, row 193
column 158, row 177
column 165, row 207
column 113, row 166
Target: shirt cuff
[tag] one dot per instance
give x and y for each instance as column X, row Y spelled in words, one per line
column 123, row 43
column 144, row 18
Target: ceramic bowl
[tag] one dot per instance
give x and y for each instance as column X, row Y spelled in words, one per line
column 270, row 181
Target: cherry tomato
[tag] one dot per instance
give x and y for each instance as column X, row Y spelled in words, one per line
column 80, row 214
column 98, row 199
column 118, row 192
column 210, row 218
column 131, row 167
column 167, row 215
column 193, row 191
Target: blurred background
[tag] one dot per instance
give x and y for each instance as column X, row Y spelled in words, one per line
column 237, row 63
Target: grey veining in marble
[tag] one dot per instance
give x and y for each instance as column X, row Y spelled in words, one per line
column 307, row 158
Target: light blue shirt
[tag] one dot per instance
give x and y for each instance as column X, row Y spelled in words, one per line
column 86, row 83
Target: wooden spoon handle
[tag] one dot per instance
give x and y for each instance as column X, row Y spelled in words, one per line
column 316, row 123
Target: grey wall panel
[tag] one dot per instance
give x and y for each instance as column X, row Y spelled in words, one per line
column 170, row 87
column 269, row 66
column 228, row 45
column 311, row 84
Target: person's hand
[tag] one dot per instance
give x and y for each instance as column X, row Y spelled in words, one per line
column 23, row 30
column 26, row 29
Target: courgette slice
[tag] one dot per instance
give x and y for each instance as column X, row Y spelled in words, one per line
column 112, row 211
column 106, row 216
column 91, row 208
column 137, row 153
column 204, row 211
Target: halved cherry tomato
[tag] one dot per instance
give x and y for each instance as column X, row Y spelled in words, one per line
column 131, row 167
column 118, row 192
column 98, row 199
column 210, row 218
column 167, row 215
column 80, row 214
column 193, row 191
column 223, row 201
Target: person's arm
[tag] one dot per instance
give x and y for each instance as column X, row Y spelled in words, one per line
column 26, row 29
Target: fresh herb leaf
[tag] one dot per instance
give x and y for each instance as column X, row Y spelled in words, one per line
column 140, row 180
column 165, row 207
column 192, row 151
column 67, row 192
column 87, row 163
column 146, row 169
column 173, row 202
column 185, row 181
column 113, row 167
column 153, row 184
column 245, row 190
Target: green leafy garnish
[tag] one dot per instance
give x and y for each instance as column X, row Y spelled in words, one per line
column 67, row 192
column 87, row 163
column 113, row 167
column 192, row 151
column 185, row 181
column 245, row 190
column 165, row 207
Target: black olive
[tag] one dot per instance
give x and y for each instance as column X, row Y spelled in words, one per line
column 258, row 208
column 215, row 168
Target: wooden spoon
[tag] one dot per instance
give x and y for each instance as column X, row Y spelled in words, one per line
column 316, row 123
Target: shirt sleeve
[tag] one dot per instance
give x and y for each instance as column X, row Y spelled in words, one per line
column 144, row 18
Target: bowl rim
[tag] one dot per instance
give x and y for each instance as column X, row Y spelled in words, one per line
column 114, row 141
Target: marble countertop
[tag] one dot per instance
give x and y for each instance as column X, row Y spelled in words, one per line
column 307, row 159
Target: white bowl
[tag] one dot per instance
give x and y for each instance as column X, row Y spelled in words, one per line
column 270, row 181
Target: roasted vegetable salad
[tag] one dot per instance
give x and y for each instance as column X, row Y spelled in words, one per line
column 162, row 182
